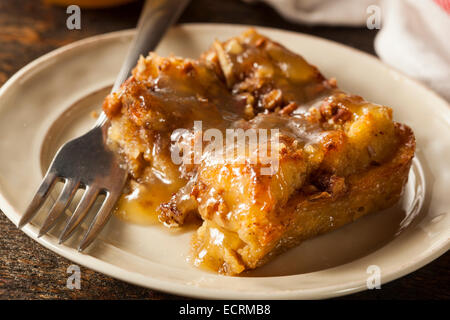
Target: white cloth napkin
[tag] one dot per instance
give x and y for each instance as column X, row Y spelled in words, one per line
column 330, row 12
column 414, row 36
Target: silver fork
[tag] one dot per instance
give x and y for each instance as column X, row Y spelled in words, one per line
column 86, row 162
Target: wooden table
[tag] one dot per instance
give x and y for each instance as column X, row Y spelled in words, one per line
column 28, row 29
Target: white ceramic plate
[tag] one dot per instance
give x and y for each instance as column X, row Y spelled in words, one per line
column 49, row 101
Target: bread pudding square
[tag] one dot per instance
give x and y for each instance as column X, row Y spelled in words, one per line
column 338, row 156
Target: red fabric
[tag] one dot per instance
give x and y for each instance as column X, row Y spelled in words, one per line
column 444, row 4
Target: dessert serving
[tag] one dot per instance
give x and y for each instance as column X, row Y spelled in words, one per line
column 334, row 157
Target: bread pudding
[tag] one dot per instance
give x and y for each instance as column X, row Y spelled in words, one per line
column 338, row 157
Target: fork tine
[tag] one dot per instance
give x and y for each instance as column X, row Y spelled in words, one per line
column 38, row 199
column 100, row 220
column 61, row 203
column 86, row 202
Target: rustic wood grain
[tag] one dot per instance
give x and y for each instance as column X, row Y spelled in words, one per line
column 28, row 29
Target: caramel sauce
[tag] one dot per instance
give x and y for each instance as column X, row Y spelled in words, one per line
column 140, row 204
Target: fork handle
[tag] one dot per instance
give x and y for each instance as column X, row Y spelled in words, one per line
column 156, row 18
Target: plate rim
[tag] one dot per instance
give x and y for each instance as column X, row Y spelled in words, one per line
column 183, row 288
